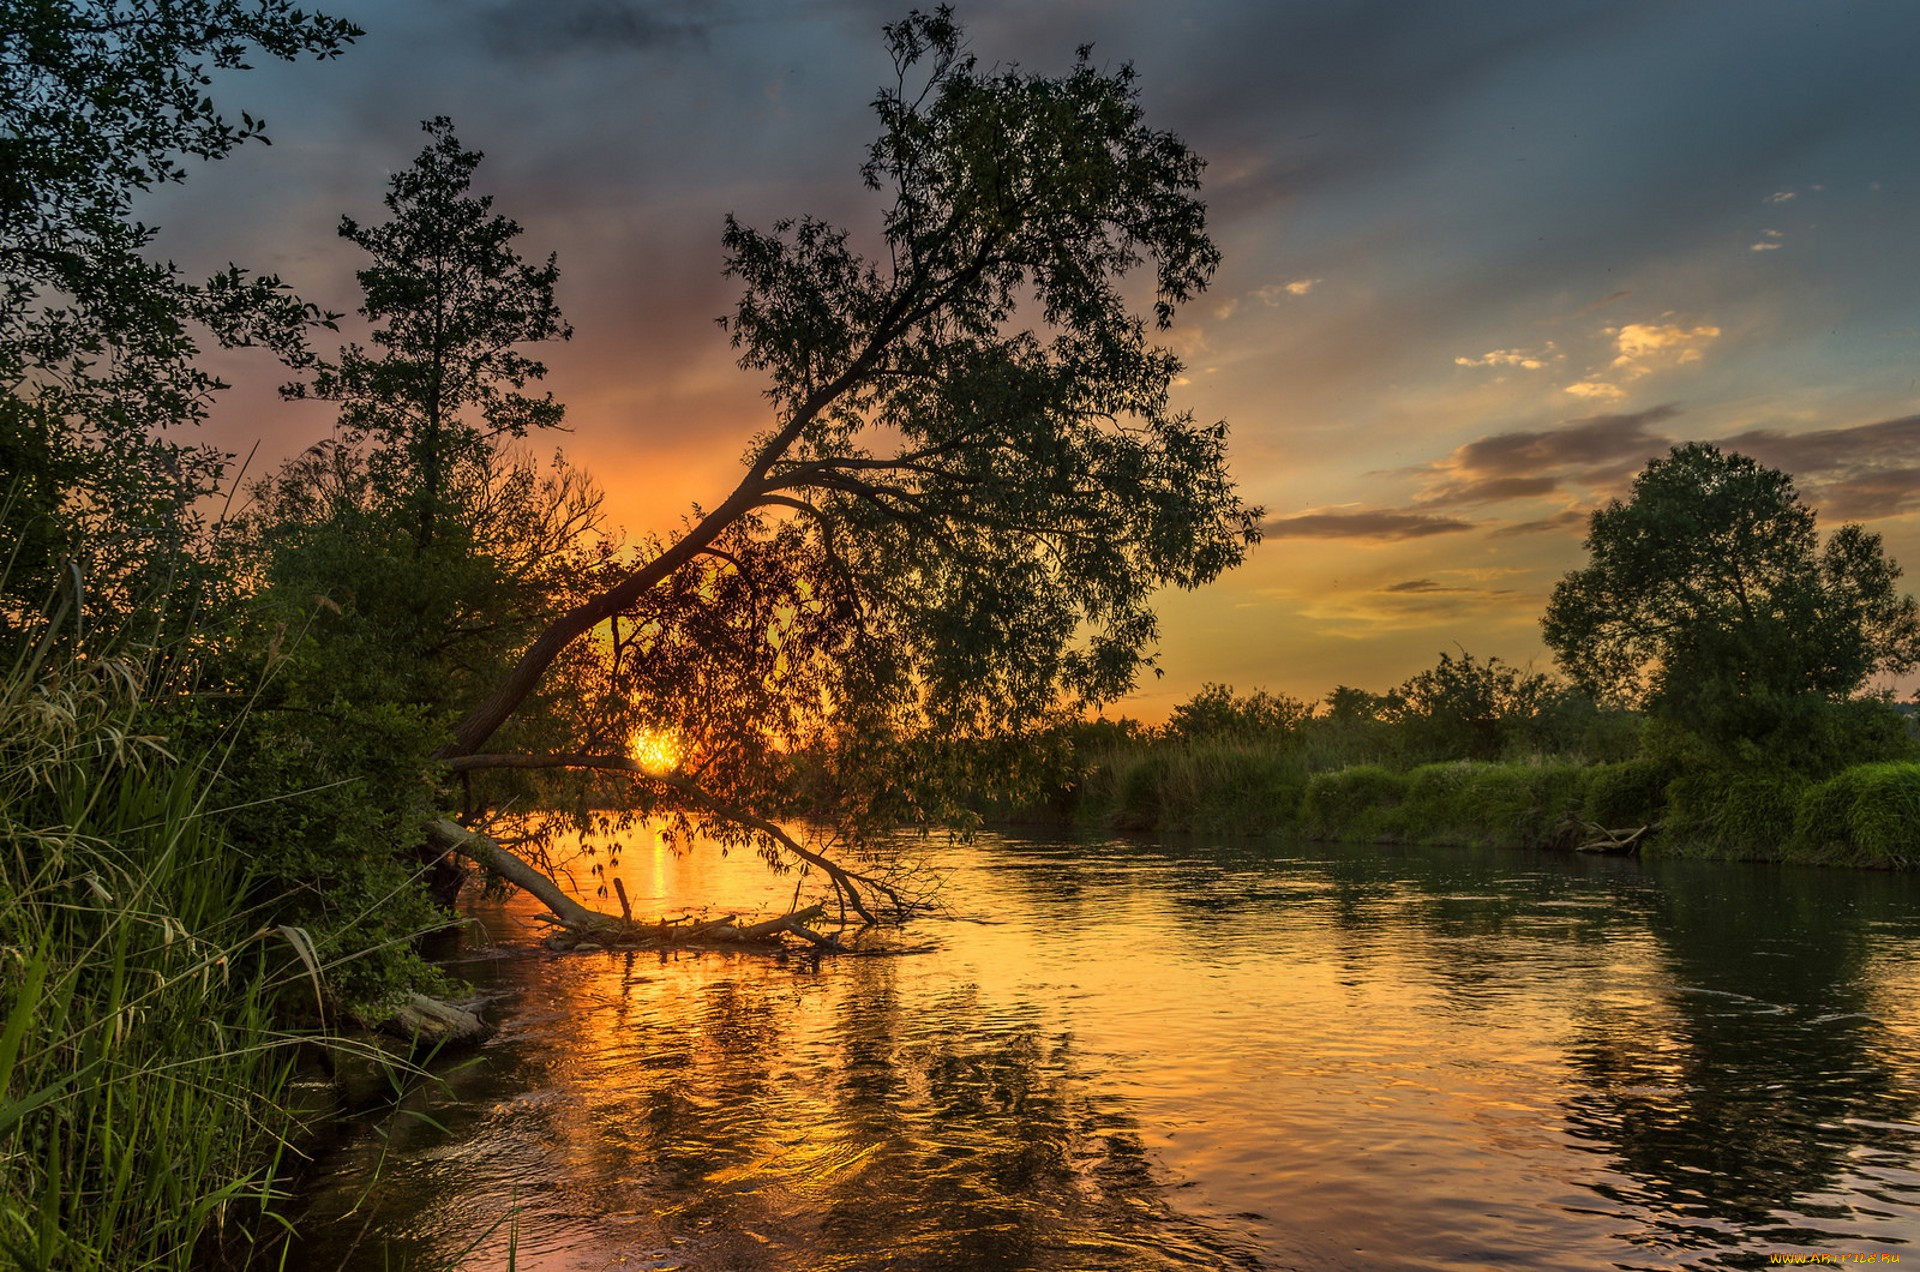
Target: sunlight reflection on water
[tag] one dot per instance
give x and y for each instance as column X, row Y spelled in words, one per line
column 1159, row 1054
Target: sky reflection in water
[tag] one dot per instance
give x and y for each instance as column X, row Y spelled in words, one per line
column 1182, row 1054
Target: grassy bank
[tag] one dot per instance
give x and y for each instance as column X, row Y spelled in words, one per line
column 146, row 1056
column 1865, row 815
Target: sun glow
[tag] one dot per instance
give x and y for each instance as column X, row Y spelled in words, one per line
column 658, row 751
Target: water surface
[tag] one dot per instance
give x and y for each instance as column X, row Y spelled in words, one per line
column 1182, row 1054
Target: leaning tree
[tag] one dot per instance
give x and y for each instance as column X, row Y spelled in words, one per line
column 969, row 488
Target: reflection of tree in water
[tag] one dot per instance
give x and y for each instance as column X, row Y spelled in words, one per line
column 951, row 1138
column 735, row 1115
column 1733, row 1107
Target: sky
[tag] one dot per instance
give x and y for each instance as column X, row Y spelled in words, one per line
column 1480, row 262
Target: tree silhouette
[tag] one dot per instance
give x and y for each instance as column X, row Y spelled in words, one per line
column 972, row 483
column 456, row 300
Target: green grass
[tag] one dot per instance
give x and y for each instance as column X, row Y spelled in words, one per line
column 1867, row 815
column 144, row 1062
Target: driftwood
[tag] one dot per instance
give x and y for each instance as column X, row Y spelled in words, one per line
column 1617, row 843
column 581, row 927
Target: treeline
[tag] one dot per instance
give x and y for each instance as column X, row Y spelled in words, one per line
column 1486, row 753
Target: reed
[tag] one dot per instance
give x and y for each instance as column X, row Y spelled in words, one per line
column 145, row 1119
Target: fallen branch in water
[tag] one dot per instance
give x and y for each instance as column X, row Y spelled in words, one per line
column 581, row 927
column 1614, row 842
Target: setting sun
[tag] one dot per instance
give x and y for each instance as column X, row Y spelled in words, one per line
column 657, row 750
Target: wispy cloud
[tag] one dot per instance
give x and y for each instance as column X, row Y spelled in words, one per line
column 1370, row 523
column 1567, row 520
column 1593, row 452
column 1596, row 391
column 1856, row 472
column 1525, row 359
column 1274, row 292
column 1646, row 347
column 1640, row 349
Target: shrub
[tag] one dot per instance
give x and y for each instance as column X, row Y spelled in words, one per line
column 1355, row 803
column 1866, row 815
column 1626, row 794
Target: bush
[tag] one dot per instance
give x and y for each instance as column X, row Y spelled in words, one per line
column 1867, row 815
column 1627, row 794
column 1356, row 803
column 145, row 1057
column 1733, row 814
column 1509, row 804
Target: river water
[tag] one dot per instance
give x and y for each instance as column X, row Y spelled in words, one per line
column 1181, row 1053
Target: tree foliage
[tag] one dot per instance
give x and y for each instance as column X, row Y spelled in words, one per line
column 457, row 302
column 99, row 101
column 1710, row 600
column 1461, row 708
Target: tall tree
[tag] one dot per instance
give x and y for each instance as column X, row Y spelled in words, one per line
column 456, row 301
column 99, row 101
column 1710, row 600
column 973, row 481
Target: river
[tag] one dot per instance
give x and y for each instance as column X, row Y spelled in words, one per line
column 1180, row 1053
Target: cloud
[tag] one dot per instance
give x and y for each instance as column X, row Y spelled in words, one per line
column 1525, row 359
column 1778, row 196
column 1858, row 472
column 1596, row 391
column 1371, row 523
column 1640, row 349
column 1595, row 451
column 1571, row 518
column 1272, row 293
column 519, row 27
column 1765, row 247
column 1644, row 347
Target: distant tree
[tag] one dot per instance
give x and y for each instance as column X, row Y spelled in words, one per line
column 1347, row 705
column 100, row 100
column 457, row 302
column 1464, row 709
column 1710, row 601
column 1216, row 712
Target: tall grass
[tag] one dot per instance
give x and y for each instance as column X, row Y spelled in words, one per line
column 144, row 1118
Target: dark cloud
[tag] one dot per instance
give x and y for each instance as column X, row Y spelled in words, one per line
column 1572, row 518
column 1491, row 490
column 1431, row 588
column 1602, row 441
column 1860, row 472
column 520, row 27
column 1594, row 451
column 1375, row 523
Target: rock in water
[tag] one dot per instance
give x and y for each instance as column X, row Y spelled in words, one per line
column 428, row 1022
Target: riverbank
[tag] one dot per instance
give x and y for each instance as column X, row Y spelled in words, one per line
column 1866, row 815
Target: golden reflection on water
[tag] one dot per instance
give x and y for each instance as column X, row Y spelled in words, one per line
column 1165, row 1055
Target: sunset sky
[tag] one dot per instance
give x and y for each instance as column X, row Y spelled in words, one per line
column 1482, row 261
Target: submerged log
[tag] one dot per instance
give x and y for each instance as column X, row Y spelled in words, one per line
column 683, row 934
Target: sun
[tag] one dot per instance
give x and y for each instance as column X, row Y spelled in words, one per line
column 658, row 751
